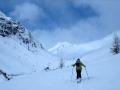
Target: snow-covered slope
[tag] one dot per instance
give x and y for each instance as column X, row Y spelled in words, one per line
column 14, row 57
column 19, row 52
column 3, row 15
column 102, row 68
column 65, row 49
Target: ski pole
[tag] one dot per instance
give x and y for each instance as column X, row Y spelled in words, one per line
column 87, row 73
column 72, row 73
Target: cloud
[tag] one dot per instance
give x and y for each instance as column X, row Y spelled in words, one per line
column 83, row 31
column 50, row 15
column 27, row 11
column 74, row 21
column 108, row 9
column 89, row 29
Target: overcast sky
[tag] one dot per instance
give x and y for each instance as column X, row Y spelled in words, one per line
column 74, row 21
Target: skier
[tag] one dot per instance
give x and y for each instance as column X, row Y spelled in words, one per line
column 78, row 65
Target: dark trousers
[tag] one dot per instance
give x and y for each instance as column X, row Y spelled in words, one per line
column 78, row 74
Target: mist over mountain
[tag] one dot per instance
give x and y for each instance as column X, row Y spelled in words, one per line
column 68, row 50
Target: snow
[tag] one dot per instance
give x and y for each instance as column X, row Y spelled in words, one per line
column 15, row 57
column 3, row 15
column 103, row 76
column 102, row 67
column 65, row 49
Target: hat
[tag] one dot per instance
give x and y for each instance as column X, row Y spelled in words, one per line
column 78, row 59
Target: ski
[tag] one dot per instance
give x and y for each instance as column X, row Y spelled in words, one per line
column 82, row 79
column 79, row 80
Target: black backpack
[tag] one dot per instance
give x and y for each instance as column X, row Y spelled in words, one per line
column 77, row 64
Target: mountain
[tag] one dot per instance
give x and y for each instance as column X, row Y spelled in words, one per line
column 14, row 29
column 19, row 52
column 68, row 50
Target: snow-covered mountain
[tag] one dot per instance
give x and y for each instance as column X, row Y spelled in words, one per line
column 19, row 52
column 68, row 50
column 14, row 29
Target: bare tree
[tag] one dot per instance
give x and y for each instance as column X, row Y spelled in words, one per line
column 116, row 44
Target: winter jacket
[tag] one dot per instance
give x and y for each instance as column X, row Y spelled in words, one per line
column 78, row 65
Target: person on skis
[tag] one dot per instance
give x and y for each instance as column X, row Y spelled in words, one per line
column 79, row 66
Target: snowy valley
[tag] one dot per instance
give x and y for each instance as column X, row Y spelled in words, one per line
column 26, row 62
